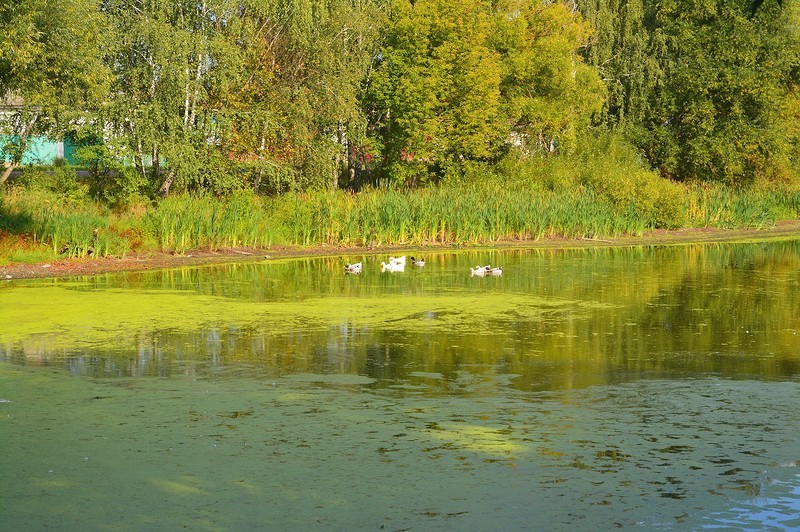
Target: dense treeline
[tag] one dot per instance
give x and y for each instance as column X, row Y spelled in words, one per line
column 291, row 95
column 705, row 90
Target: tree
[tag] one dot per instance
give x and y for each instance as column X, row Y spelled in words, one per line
column 461, row 81
column 222, row 94
column 52, row 67
column 294, row 108
column 621, row 51
column 164, row 60
column 434, row 99
column 548, row 90
column 726, row 81
column 707, row 100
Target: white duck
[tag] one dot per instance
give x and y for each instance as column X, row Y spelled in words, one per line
column 393, row 266
column 353, row 268
column 417, row 262
column 480, row 270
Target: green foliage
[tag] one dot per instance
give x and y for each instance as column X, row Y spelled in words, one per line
column 714, row 205
column 612, row 168
column 627, row 56
column 548, row 93
column 609, row 167
column 67, row 227
column 23, row 256
column 459, row 81
column 224, row 95
column 51, row 67
column 495, row 208
column 702, row 88
column 449, row 214
column 184, row 222
column 633, row 202
column 110, row 180
column 59, row 179
column 435, row 97
column 283, row 96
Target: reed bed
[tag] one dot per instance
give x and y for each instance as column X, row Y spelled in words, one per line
column 67, row 227
column 187, row 222
column 447, row 215
column 463, row 214
column 726, row 207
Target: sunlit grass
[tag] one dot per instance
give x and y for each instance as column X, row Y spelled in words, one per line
column 187, row 222
column 24, row 255
column 446, row 215
column 37, row 225
column 66, row 227
column 721, row 206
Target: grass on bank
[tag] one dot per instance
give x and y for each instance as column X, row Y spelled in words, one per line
column 37, row 225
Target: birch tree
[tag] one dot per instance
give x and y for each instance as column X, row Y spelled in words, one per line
column 291, row 104
column 164, row 62
column 51, row 69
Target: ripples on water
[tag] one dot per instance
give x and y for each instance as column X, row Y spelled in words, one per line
column 333, row 452
column 656, row 389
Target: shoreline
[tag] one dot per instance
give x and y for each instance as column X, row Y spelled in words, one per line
column 155, row 260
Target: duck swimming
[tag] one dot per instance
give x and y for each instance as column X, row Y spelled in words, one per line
column 353, row 268
column 417, row 262
column 393, row 266
column 479, row 270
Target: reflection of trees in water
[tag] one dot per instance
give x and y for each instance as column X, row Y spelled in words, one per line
column 571, row 319
column 737, row 307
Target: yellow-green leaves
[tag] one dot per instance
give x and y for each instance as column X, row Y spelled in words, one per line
column 459, row 81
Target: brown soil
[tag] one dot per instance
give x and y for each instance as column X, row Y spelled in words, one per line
column 155, row 260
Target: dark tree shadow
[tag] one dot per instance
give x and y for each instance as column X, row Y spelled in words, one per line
column 14, row 223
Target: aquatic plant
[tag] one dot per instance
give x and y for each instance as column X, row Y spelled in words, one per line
column 66, row 226
column 184, row 222
column 43, row 222
column 709, row 205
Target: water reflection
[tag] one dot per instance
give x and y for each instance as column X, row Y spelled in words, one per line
column 652, row 387
column 305, row 451
column 556, row 319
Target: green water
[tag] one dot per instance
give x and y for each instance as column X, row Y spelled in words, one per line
column 582, row 389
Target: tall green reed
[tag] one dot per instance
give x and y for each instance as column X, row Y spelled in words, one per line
column 185, row 222
column 480, row 212
column 715, row 205
column 451, row 214
column 66, row 226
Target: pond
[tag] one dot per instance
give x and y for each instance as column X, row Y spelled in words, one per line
column 654, row 387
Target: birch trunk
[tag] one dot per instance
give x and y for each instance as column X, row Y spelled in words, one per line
column 165, row 186
column 23, row 141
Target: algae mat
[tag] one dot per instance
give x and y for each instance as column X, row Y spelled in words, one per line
column 653, row 387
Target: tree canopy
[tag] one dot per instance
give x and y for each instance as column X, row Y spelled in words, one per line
column 279, row 95
column 704, row 89
column 459, row 80
column 51, row 68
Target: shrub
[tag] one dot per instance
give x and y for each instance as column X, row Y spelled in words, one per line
column 60, row 179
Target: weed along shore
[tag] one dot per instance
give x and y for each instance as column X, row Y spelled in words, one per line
column 46, row 228
column 69, row 267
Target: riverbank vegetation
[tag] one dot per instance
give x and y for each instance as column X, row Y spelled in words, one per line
column 41, row 225
column 251, row 123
